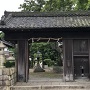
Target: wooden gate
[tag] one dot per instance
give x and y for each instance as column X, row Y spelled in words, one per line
column 81, row 58
column 81, row 66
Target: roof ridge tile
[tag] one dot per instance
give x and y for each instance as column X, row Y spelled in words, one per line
column 49, row 14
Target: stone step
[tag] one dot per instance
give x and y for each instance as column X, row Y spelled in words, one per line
column 51, row 87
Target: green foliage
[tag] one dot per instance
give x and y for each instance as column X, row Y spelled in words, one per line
column 55, row 5
column 47, row 53
column 46, row 5
column 1, row 35
column 58, row 5
column 43, row 48
column 48, row 62
column 8, row 64
column 88, row 5
column 32, row 5
column 81, row 4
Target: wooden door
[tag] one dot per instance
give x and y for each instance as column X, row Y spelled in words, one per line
column 81, row 58
column 81, row 66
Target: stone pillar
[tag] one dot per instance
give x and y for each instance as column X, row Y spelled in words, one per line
column 22, row 61
column 2, row 60
column 68, row 59
column 2, row 56
column 1, row 74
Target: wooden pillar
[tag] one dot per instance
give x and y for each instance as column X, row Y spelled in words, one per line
column 68, row 59
column 22, row 61
column 89, row 56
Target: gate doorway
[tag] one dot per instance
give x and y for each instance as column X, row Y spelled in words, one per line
column 49, row 53
column 81, row 67
column 45, row 60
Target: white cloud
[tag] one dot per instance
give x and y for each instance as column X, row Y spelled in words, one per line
column 9, row 5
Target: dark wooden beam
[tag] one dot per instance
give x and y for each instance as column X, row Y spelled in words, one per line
column 47, row 33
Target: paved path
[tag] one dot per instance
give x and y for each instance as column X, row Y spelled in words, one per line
column 37, row 82
column 51, row 79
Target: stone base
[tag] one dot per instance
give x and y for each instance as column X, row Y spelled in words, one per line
column 7, row 76
column 38, row 69
column 68, row 77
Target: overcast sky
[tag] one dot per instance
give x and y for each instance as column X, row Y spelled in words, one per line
column 9, row 5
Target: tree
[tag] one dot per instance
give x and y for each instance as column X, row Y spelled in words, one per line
column 55, row 5
column 82, row 4
column 32, row 5
column 46, row 50
column 46, row 5
column 88, row 5
column 1, row 35
column 58, row 5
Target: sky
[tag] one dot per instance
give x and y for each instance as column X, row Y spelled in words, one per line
column 9, row 5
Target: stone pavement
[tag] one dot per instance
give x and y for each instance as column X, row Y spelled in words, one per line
column 51, row 81
column 52, row 84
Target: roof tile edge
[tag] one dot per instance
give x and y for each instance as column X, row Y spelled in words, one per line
column 47, row 14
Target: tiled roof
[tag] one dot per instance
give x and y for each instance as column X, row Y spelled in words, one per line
column 29, row 20
column 9, row 44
